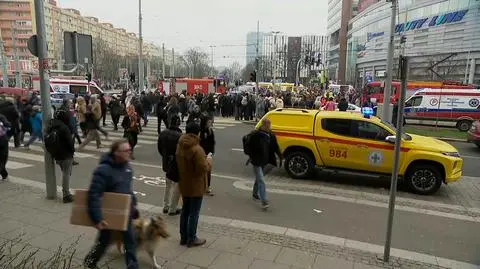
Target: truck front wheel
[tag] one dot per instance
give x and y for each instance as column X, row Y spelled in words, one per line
column 299, row 164
column 424, row 179
column 464, row 125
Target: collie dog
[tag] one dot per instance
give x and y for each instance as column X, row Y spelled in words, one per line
column 148, row 233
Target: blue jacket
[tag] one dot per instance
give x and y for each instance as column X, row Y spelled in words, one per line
column 109, row 177
column 36, row 121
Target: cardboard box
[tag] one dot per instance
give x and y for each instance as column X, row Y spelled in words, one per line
column 115, row 208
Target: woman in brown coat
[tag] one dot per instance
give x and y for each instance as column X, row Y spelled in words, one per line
column 193, row 167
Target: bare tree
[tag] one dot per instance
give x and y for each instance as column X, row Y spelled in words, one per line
column 198, row 61
column 105, row 61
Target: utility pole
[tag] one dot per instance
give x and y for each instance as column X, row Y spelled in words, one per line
column 213, row 53
column 257, row 59
column 386, row 113
column 50, row 180
column 163, row 60
column 172, row 69
column 3, row 57
column 403, row 66
column 18, row 79
column 141, row 78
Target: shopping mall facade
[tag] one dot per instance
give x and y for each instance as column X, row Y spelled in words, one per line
column 441, row 35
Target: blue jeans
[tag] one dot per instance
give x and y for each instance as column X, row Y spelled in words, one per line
column 103, row 241
column 259, row 188
column 189, row 218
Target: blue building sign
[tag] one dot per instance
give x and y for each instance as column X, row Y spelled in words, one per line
column 431, row 21
column 371, row 36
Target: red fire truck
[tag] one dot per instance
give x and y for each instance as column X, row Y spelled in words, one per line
column 191, row 86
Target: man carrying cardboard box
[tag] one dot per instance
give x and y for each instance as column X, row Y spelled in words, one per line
column 113, row 174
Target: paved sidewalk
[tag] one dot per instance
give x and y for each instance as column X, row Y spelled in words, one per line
column 44, row 225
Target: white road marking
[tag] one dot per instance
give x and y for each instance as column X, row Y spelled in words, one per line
column 243, row 186
column 469, row 157
column 236, row 149
column 11, row 165
column 317, row 211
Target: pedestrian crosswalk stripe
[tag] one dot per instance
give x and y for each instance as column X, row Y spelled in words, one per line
column 11, row 165
column 41, row 149
column 26, row 156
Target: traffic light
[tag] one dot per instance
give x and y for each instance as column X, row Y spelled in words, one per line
column 403, row 39
column 132, row 77
column 253, row 76
column 307, row 60
column 88, row 76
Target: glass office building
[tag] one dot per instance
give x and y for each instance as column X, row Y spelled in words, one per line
column 442, row 41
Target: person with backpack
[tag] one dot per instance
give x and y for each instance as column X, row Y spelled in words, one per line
column 5, row 125
column 59, row 143
column 91, row 129
column 167, row 146
column 172, row 109
column 36, row 122
column 261, row 146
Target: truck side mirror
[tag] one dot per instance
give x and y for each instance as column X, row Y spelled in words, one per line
column 391, row 139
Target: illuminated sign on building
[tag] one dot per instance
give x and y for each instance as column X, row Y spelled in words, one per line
column 431, row 21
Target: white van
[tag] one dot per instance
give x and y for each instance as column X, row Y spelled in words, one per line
column 69, row 85
column 447, row 107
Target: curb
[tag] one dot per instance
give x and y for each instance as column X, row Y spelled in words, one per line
column 250, row 122
column 294, row 233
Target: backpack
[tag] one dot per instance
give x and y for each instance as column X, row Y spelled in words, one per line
column 244, row 101
column 172, row 172
column 52, row 140
column 246, row 140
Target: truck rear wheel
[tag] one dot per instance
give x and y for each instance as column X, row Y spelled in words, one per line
column 424, row 179
column 464, row 125
column 299, row 164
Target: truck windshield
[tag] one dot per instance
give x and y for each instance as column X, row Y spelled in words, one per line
column 405, row 136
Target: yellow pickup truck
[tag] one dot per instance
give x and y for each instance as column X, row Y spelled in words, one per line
column 354, row 143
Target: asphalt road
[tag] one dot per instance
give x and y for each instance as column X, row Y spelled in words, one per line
column 439, row 235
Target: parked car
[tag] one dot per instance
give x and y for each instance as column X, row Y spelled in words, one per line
column 473, row 135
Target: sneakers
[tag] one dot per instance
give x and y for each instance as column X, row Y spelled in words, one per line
column 265, row 204
column 67, row 199
column 210, row 192
column 196, row 243
column 75, row 163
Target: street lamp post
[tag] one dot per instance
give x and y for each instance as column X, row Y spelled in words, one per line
column 275, row 33
column 140, row 48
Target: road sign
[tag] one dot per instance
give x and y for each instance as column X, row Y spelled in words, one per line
column 77, row 47
column 32, row 45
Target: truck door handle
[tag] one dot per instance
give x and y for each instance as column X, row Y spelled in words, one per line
column 324, row 140
column 362, row 146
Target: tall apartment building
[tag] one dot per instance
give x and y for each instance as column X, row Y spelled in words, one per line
column 281, row 55
column 15, row 29
column 17, row 23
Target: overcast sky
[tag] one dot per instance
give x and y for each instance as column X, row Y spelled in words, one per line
column 182, row 24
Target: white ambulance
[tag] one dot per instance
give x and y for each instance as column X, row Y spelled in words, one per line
column 446, row 107
column 73, row 85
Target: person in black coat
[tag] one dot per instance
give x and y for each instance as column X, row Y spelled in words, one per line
column 5, row 125
column 167, row 147
column 207, row 141
column 263, row 147
column 343, row 104
column 63, row 155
